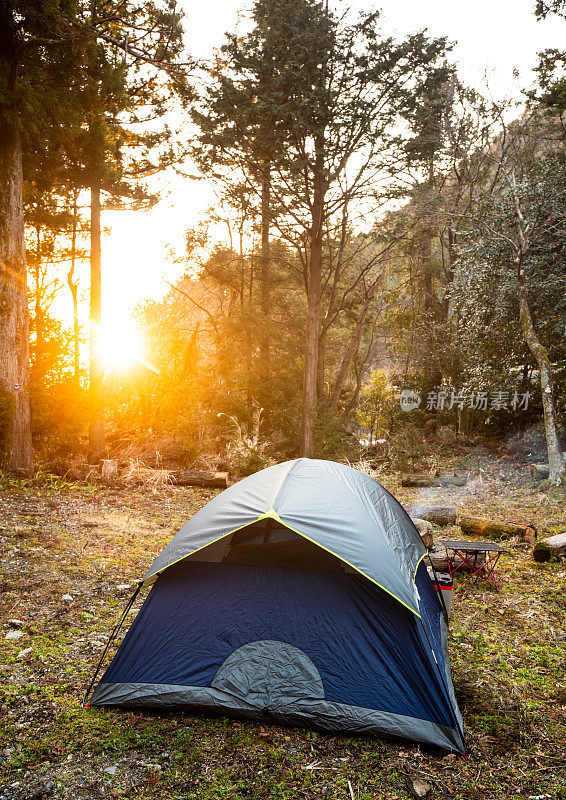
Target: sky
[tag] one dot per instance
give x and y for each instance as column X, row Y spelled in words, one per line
column 496, row 45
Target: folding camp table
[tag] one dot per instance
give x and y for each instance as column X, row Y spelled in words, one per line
column 471, row 554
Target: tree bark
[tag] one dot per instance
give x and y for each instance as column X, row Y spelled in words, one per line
column 320, row 370
column 314, row 279
column 555, row 460
column 478, row 526
column 14, row 315
column 540, row 353
column 348, row 356
column 439, row 515
column 197, row 478
column 96, row 422
column 431, row 373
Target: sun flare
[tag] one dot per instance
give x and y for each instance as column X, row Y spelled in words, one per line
column 120, row 345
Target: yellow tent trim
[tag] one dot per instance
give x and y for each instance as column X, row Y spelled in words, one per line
column 272, row 514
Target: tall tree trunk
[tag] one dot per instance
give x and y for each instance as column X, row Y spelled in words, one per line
column 96, row 422
column 353, row 401
column 265, row 344
column 314, row 280
column 74, row 289
column 539, row 351
column 351, row 350
column 249, row 341
column 320, row 372
column 432, row 375
column 14, row 315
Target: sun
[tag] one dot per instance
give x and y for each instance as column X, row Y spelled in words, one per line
column 120, row 345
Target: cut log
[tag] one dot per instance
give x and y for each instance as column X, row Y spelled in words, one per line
column 419, row 479
column 108, row 469
column 478, row 526
column 439, row 515
column 193, row 477
column 426, row 531
column 554, row 546
column 425, row 480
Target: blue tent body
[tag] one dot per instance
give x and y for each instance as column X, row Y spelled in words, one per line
column 298, row 595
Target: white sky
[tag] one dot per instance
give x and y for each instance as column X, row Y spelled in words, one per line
column 493, row 39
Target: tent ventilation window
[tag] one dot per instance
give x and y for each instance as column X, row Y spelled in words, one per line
column 269, row 544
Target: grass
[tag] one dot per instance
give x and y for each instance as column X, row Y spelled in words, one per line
column 59, row 539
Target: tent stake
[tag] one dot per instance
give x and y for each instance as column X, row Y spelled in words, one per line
column 110, row 640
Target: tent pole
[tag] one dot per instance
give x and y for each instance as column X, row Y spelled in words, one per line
column 110, row 640
column 442, row 678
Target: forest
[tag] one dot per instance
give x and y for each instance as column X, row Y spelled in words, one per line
column 316, row 260
column 377, row 227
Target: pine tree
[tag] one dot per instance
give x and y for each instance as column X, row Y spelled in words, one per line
column 38, row 46
column 335, row 95
column 131, row 69
column 52, row 55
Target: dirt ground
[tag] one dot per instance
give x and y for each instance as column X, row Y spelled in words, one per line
column 69, row 557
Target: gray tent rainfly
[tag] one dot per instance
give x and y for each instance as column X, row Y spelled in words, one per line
column 298, row 594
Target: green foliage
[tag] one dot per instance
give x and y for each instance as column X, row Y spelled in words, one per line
column 485, row 290
column 245, row 451
column 332, row 439
column 407, row 449
column 377, row 406
column 545, row 7
column 551, row 79
column 57, row 398
column 39, row 50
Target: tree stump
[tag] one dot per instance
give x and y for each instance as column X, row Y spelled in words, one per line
column 552, row 547
column 108, row 470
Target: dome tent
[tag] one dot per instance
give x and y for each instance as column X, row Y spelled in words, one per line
column 300, row 595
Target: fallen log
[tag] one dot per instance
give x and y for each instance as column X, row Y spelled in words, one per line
column 188, row 477
column 479, row 526
column 553, row 546
column 423, row 480
column 439, row 515
column 426, row 531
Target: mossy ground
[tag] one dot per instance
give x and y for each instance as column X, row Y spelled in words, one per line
column 507, row 653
